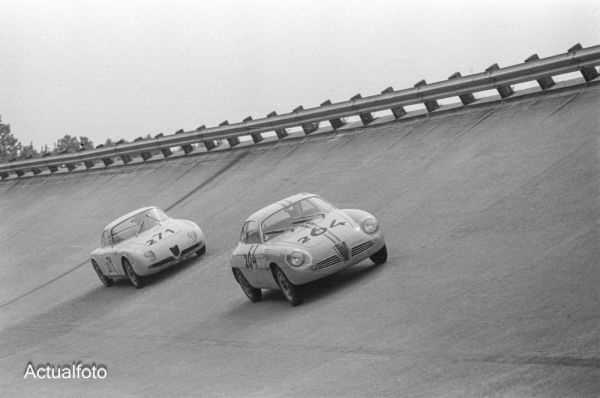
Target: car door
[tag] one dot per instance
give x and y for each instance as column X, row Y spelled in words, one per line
column 258, row 257
column 111, row 263
column 245, row 254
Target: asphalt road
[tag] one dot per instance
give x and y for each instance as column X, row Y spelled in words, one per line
column 492, row 287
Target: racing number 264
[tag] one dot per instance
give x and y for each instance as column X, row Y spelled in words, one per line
column 316, row 231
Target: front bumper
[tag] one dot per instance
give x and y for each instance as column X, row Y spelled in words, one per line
column 339, row 260
column 166, row 262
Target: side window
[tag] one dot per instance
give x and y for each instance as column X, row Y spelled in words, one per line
column 252, row 235
column 243, row 234
column 308, row 207
column 105, row 240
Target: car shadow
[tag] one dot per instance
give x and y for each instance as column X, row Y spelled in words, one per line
column 340, row 281
column 166, row 273
column 329, row 285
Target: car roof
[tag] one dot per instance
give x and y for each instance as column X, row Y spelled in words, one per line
column 266, row 211
column 128, row 215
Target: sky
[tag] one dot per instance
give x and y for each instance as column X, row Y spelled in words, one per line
column 128, row 68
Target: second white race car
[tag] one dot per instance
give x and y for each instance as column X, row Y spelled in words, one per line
column 144, row 242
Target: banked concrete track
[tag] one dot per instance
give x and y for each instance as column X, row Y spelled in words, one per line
column 492, row 288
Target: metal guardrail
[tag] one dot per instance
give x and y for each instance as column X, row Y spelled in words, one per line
column 577, row 58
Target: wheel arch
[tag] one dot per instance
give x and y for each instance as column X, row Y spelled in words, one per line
column 272, row 266
column 124, row 257
column 356, row 214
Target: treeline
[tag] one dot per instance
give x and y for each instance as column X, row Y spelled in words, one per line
column 11, row 149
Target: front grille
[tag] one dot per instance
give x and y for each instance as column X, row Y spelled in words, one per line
column 174, row 250
column 328, row 262
column 190, row 249
column 356, row 250
column 342, row 250
column 162, row 262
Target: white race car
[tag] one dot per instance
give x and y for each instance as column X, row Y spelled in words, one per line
column 144, row 242
column 300, row 239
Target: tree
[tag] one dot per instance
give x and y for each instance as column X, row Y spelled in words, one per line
column 85, row 143
column 9, row 145
column 71, row 144
column 28, row 151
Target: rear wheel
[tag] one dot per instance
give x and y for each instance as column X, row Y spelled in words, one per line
column 380, row 256
column 253, row 294
column 135, row 279
column 290, row 291
column 106, row 281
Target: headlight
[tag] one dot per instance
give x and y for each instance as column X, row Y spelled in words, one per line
column 150, row 256
column 370, row 225
column 295, row 258
column 192, row 235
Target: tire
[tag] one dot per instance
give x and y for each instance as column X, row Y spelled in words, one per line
column 134, row 278
column 201, row 251
column 106, row 281
column 253, row 294
column 290, row 291
column 380, row 256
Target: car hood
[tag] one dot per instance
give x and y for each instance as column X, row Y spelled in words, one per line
column 333, row 228
column 156, row 236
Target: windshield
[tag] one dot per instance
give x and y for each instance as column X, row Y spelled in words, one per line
column 294, row 215
column 137, row 224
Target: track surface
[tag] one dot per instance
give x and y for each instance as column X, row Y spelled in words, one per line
column 492, row 288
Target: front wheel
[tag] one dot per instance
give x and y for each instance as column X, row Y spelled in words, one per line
column 134, row 278
column 106, row 281
column 380, row 256
column 201, row 251
column 290, row 291
column 253, row 294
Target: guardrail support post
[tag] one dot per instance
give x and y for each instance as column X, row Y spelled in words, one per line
column 336, row 123
column 545, row 82
column 126, row 158
column 55, row 168
column 36, row 171
column 145, row 155
column 397, row 111
column 70, row 166
column 504, row 91
column 589, row 72
column 256, row 137
column 307, row 127
column 365, row 117
column 431, row 105
column 3, row 175
column 209, row 144
column 187, row 148
column 88, row 164
column 233, row 141
column 281, row 133
column 20, row 173
column 165, row 151
column 107, row 161
column 466, row 99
